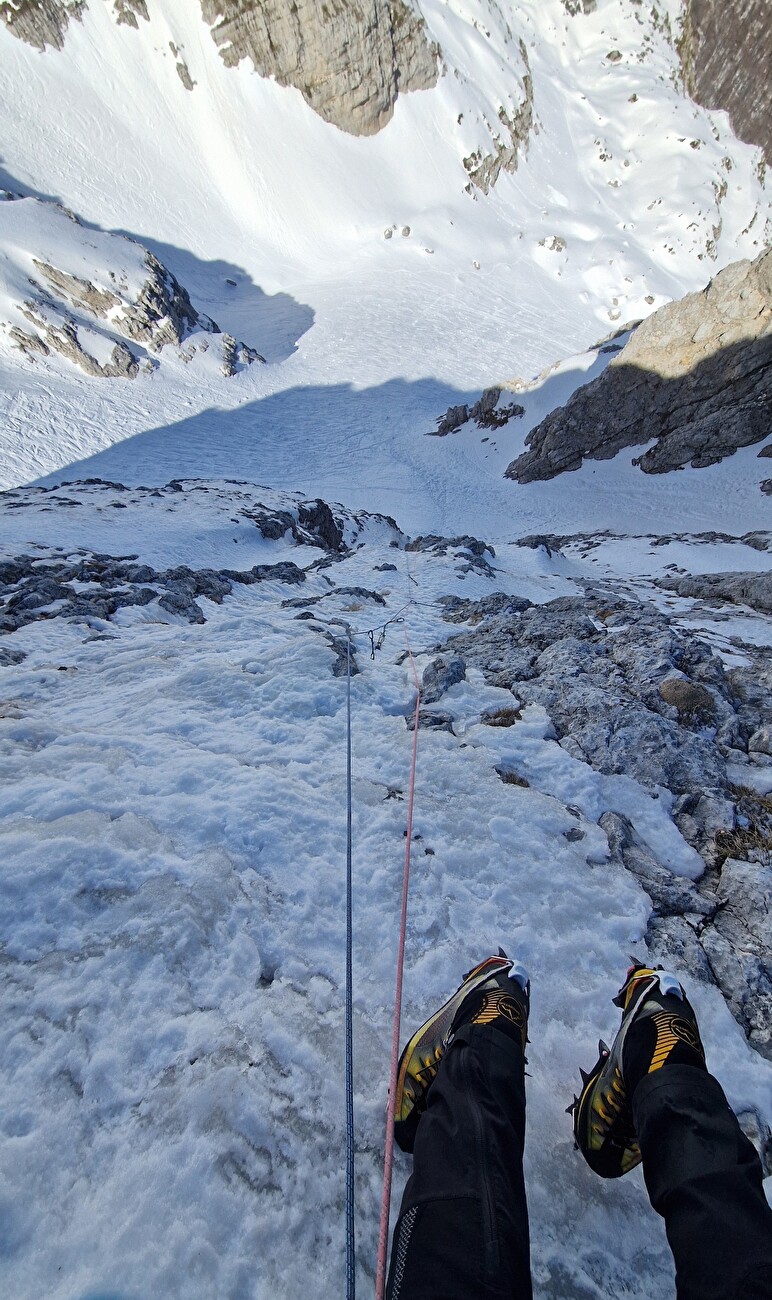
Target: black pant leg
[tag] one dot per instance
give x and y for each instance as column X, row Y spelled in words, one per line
column 462, row 1232
column 704, row 1177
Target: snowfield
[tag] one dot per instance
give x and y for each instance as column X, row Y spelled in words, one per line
column 628, row 195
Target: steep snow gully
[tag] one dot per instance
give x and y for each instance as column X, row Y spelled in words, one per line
column 187, row 192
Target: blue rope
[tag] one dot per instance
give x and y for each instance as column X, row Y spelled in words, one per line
column 350, row 1238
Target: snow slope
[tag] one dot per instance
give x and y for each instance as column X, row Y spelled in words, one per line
column 369, row 446
column 617, row 207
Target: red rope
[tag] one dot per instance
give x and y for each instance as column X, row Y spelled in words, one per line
column 383, row 1235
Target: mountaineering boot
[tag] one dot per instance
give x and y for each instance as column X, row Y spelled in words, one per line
column 658, row 1028
column 496, row 990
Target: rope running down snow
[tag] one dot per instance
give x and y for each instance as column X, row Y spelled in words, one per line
column 383, row 1235
column 350, row 1226
column 349, row 1011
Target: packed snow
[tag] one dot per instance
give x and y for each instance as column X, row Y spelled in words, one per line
column 173, row 924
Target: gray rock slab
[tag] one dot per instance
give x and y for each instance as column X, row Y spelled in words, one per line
column 695, row 379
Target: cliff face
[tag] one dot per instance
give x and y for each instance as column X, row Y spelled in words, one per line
column 696, row 376
column 40, row 22
column 349, row 61
column 725, row 66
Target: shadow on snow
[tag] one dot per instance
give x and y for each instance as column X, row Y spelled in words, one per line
column 272, row 323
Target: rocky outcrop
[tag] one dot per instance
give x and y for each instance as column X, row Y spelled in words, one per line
column 758, row 540
column 46, row 337
column 349, row 61
column 603, row 685
column 720, row 51
column 737, row 944
column 35, row 587
column 696, row 378
column 509, row 137
column 44, row 22
column 438, row 677
column 458, row 610
column 717, row 931
column 486, row 414
column 162, row 313
column 181, row 67
column 753, row 589
column 629, row 693
column 129, row 11
column 40, row 22
column 31, row 589
column 671, row 895
column 129, row 296
column 470, row 551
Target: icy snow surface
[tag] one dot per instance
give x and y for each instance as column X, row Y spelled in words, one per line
column 172, row 920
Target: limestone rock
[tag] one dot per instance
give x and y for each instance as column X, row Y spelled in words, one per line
column 41, row 22
column 671, row 895
column 183, row 73
column 599, row 685
column 458, row 610
column 719, row 49
column 127, row 297
column 349, row 61
column 442, row 673
column 738, row 942
column 673, row 941
column 761, row 741
column 430, row 720
column 163, row 312
column 754, row 589
column 509, row 139
column 486, row 413
column 313, row 524
column 128, row 11
column 696, row 377
column 64, row 339
column 345, row 662
column 317, row 522
column 469, row 550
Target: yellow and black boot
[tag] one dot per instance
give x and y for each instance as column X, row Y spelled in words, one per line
column 495, row 990
column 658, row 1028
